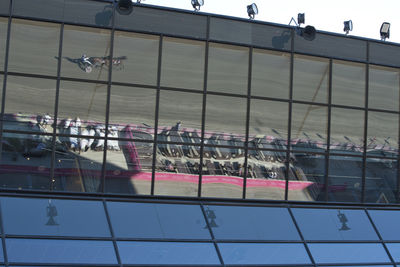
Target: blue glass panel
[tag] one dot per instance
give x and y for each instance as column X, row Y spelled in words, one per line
column 258, row 253
column 334, row 224
column 27, row 216
column 387, row 222
column 60, row 251
column 348, row 253
column 251, row 223
column 394, row 250
column 152, row 220
column 167, row 253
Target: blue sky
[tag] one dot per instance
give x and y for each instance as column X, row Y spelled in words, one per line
column 367, row 15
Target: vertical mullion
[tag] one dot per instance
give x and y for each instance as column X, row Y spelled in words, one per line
column 328, row 139
column 246, row 144
column 55, row 118
column 212, row 235
column 289, row 133
column 398, row 154
column 364, row 162
column 114, row 239
column 153, row 169
column 111, row 55
column 203, row 111
column 3, row 101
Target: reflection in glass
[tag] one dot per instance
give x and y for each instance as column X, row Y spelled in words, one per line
column 81, row 58
column 25, row 161
column 252, row 223
column 348, row 253
column 60, row 251
column 345, row 179
column 348, row 83
column 270, row 74
column 387, row 221
column 82, row 108
column 3, row 38
column 33, row 47
column 172, row 253
column 228, row 69
column 179, row 118
column 347, row 131
column 383, row 129
column 132, row 112
column 310, row 79
column 334, row 224
column 128, row 168
column 309, row 127
column 394, row 250
column 381, row 181
column 182, row 63
column 29, row 104
column 54, row 217
column 152, row 220
column 259, row 253
column 309, row 171
column 177, row 170
column 139, row 53
column 383, row 88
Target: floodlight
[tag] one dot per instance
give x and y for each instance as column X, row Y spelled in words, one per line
column 308, row 33
column 197, row 4
column 301, row 18
column 124, row 7
column 252, row 10
column 348, row 26
column 385, row 31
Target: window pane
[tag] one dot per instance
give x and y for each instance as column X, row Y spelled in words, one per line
column 54, row 217
column 29, row 104
column 83, row 59
column 348, row 253
column 138, row 54
column 334, row 224
column 60, row 251
column 25, row 162
column 383, row 129
column 348, row 83
column 126, row 101
column 268, row 120
column 270, row 74
column 180, row 116
column 383, row 88
column 381, row 181
column 228, row 69
column 310, row 79
column 345, row 179
column 34, row 47
column 177, row 170
column 310, row 171
column 386, row 221
column 243, row 254
column 128, row 168
column 3, row 39
column 88, row 110
column 394, row 250
column 309, row 127
column 157, row 220
column 163, row 253
column 347, row 130
column 182, row 63
column 229, row 222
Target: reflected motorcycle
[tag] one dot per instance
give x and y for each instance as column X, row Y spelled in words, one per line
column 88, row 63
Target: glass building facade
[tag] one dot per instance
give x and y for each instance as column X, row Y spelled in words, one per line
column 173, row 137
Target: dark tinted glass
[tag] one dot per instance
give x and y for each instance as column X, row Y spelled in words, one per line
column 394, row 250
column 241, row 253
column 97, row 13
column 4, row 7
column 334, row 224
column 162, row 253
column 60, row 251
column 251, row 223
column 382, row 53
column 146, row 220
column 34, row 8
column 55, row 217
column 387, row 222
column 348, row 253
